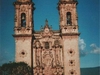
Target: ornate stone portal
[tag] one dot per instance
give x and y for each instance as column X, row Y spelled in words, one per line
column 48, row 52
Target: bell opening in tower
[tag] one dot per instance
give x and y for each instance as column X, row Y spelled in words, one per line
column 23, row 20
column 68, row 18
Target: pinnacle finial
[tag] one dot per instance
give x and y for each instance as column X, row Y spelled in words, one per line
column 46, row 22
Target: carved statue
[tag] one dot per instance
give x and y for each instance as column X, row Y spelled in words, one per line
column 37, row 61
column 37, row 44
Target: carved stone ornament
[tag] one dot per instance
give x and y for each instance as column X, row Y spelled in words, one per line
column 23, row 53
column 47, row 61
column 71, row 52
column 37, row 44
column 71, row 62
column 46, row 31
column 23, row 9
column 69, row 8
column 72, row 72
column 15, row 19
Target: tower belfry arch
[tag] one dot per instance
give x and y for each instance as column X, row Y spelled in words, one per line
column 48, row 51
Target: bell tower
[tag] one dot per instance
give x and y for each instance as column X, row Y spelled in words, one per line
column 23, row 16
column 23, row 30
column 67, row 12
column 69, row 33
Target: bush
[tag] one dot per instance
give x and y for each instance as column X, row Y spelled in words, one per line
column 14, row 68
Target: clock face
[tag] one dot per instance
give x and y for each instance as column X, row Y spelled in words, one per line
column 46, row 30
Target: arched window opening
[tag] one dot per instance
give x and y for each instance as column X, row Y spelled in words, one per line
column 23, row 19
column 46, row 45
column 68, row 18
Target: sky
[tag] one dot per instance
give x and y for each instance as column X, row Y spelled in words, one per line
column 88, row 21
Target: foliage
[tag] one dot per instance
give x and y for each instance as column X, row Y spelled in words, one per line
column 20, row 68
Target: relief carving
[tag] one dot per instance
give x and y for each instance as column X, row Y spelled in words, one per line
column 23, row 9
column 15, row 19
column 61, row 16
column 48, row 60
column 48, row 53
column 46, row 31
column 69, row 8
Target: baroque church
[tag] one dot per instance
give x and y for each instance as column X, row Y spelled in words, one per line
column 48, row 51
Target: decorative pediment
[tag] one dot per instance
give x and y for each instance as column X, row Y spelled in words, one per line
column 46, row 30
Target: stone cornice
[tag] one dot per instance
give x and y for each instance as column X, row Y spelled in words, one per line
column 55, row 31
column 70, row 34
column 69, row 26
column 22, row 35
column 66, row 2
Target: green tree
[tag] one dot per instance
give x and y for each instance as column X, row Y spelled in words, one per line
column 14, row 68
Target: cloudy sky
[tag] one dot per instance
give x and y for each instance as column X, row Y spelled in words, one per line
column 88, row 21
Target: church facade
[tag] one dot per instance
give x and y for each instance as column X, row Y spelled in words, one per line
column 48, row 51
